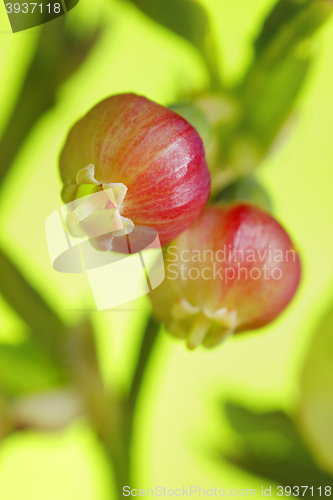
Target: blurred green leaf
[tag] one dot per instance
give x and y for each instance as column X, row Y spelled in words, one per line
column 25, row 369
column 246, row 189
column 44, row 323
column 279, row 68
column 268, row 99
column 315, row 412
column 58, row 54
column 269, row 445
column 69, row 352
column 289, row 23
column 188, row 19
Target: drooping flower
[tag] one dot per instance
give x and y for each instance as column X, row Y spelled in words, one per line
column 149, row 161
column 234, row 269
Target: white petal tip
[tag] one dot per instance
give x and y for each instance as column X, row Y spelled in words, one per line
column 87, row 175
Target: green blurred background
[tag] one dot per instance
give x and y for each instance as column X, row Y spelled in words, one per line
column 179, row 420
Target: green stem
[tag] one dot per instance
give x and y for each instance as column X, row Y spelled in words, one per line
column 118, row 460
column 117, row 443
column 148, row 342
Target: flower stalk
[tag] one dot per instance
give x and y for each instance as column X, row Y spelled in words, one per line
column 116, row 438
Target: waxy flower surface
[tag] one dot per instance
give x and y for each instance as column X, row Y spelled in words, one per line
column 234, row 269
column 148, row 160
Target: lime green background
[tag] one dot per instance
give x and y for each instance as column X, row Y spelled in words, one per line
column 180, row 420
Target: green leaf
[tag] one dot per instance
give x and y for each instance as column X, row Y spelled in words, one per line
column 270, row 446
column 269, row 97
column 43, row 322
column 289, row 23
column 188, row 19
column 280, row 66
column 57, row 56
column 25, row 369
column 315, row 411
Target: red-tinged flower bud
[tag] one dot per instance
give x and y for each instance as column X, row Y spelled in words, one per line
column 152, row 159
column 234, row 269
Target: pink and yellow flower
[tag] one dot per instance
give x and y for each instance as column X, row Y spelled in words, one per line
column 235, row 269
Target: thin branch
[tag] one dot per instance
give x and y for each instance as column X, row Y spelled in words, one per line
column 147, row 346
column 29, row 305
